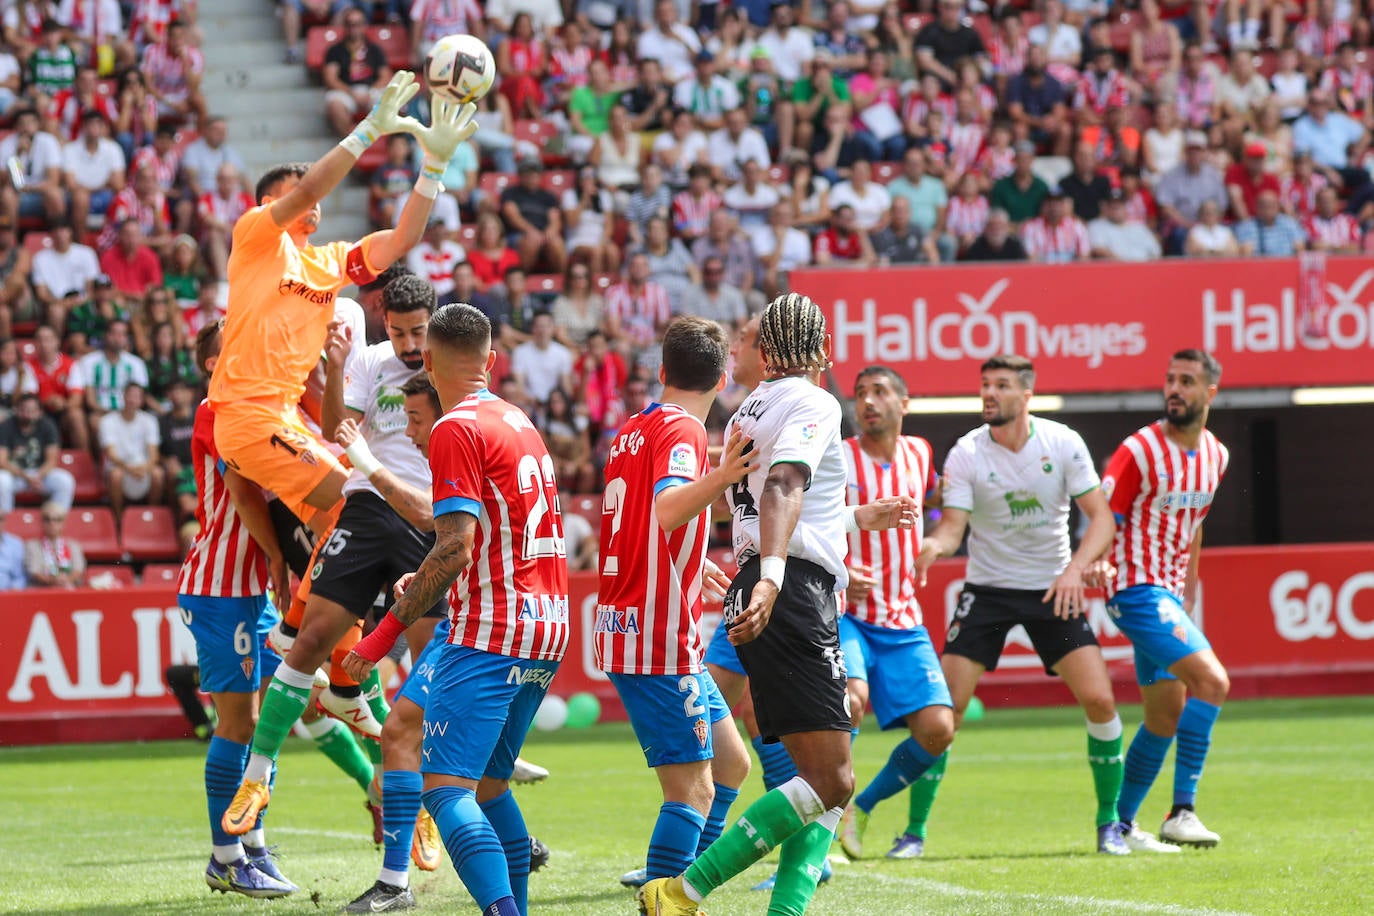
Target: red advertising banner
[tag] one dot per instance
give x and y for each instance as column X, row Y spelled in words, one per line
column 1099, row 327
column 88, row 665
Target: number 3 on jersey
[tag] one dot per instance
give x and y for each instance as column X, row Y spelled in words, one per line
column 537, row 477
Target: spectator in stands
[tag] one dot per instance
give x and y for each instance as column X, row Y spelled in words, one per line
column 1350, row 85
column 130, row 263
column 1022, row 193
column 431, row 20
column 600, row 375
column 680, row 148
column 102, row 375
column 714, row 298
column 900, row 241
column 706, row 93
column 781, row 248
column 808, row 193
column 218, row 210
column 51, row 68
column 1245, row 180
column 93, row 170
column 670, row 263
column 159, row 307
column 16, row 378
column 292, row 12
column 147, row 204
column 998, row 242
column 1196, row 89
column 541, row 363
column 1334, row 139
column 564, row 426
column 579, row 309
column 16, row 299
column 650, row 100
column 1037, row 104
column 532, row 216
column 354, row 74
column 1240, row 94
column 1085, row 186
column 652, row 198
column 618, row 154
column 1163, row 144
column 129, row 440
column 168, row 364
column 589, row 110
column 1062, row 42
column 208, row 310
column 1156, row 50
column 523, row 62
column 71, row 106
column 1209, row 236
column 1181, row 191
column 889, row 36
column 1270, row 233
column 749, row 200
column 877, row 99
column 589, row 212
column 1330, row 230
column 812, row 99
column 433, row 257
column 206, row 155
column 29, row 446
column 669, row 42
column 51, row 560
column 844, row 244
column 185, row 272
column 173, row 70
column 734, row 144
column 692, row 207
column 637, row 308
column 870, row 200
column 390, row 181
column 60, row 399
column 12, row 576
column 95, row 30
column 136, row 117
column 1114, row 237
column 790, row 47
column 9, row 80
column 62, row 274
column 770, row 111
column 968, row 211
column 1319, row 35
column 88, row 322
column 941, row 44
column 726, row 239
column 1057, row 236
column 514, row 306
column 39, row 158
column 175, row 428
column 490, row 256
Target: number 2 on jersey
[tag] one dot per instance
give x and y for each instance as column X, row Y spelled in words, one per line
column 612, row 504
column 537, row 477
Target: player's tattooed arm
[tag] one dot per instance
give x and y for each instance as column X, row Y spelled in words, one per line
column 452, row 551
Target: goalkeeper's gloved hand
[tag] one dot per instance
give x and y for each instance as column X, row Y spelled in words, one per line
column 450, row 125
column 385, row 117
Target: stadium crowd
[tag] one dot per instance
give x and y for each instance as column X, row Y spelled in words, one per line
column 641, row 160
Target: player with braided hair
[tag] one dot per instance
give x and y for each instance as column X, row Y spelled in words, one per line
column 782, row 615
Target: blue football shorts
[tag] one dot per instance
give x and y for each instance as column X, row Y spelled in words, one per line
column 480, row 708
column 1154, row 621
column 416, row 687
column 231, row 640
column 672, row 714
column 901, row 667
column 721, row 653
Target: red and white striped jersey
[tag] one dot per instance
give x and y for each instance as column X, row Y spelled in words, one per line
column 1160, row 495
column 648, row 612
column 1102, row 92
column 164, row 167
column 149, row 19
column 917, row 107
column 691, row 215
column 1313, row 39
column 997, row 163
column 569, row 65
column 1339, row 231
column 224, row 561
column 966, row 217
column 444, row 17
column 1008, row 59
column 1352, row 89
column 965, row 142
column 889, row 555
column 640, row 312
column 224, row 210
column 168, row 73
column 1059, row 244
column 127, row 205
column 488, row 460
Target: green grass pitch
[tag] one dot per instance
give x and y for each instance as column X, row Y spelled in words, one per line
column 120, row 829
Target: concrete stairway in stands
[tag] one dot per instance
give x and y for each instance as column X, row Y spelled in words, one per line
column 275, row 111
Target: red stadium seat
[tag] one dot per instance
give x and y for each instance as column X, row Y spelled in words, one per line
column 27, row 349
column 778, row 174
column 559, row 180
column 723, row 557
column 589, row 507
column 35, row 242
column 603, row 282
column 467, row 236
column 317, row 41
column 25, row 524
column 149, row 533
column 984, row 27
column 493, row 183
column 546, row 283
column 540, row 134
column 1121, row 30
column 90, row 486
column 914, row 21
column 161, row 573
column 395, row 44
column 883, row 172
column 93, row 527
column 113, row 575
column 372, row 158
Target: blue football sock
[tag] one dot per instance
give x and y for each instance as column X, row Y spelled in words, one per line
column 503, row 813
column 715, row 821
column 1143, row 762
column 224, row 763
column 904, row 766
column 400, row 807
column 473, row 846
column 777, row 763
column 673, row 844
column 1194, row 738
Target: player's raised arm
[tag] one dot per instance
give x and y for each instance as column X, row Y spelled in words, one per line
column 322, row 177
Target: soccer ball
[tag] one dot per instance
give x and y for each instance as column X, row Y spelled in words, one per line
column 460, row 68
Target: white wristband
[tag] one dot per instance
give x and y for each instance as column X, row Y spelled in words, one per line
column 851, row 519
column 773, row 569
column 428, row 187
column 361, row 457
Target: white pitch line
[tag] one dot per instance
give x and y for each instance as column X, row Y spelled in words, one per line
column 1004, row 897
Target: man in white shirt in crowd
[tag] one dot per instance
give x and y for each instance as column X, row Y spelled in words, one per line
column 731, row 146
column 93, row 169
column 1113, row 237
column 752, row 199
column 870, row 200
column 541, row 363
column 62, row 274
column 669, row 42
column 706, row 94
column 781, row 247
column 129, row 439
column 34, row 160
column 789, row 47
column 103, row 374
column 204, row 157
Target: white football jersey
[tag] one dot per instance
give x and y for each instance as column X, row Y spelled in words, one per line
column 791, row 420
column 373, row 388
column 1018, row 502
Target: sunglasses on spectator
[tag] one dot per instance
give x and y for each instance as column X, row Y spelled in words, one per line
column 55, row 518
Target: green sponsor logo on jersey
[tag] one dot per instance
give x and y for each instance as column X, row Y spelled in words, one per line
column 1020, row 506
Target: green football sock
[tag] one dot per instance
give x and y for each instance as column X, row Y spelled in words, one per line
column 922, row 797
column 336, row 741
column 281, row 708
column 765, row 824
column 376, row 701
column 1108, row 766
column 799, row 868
